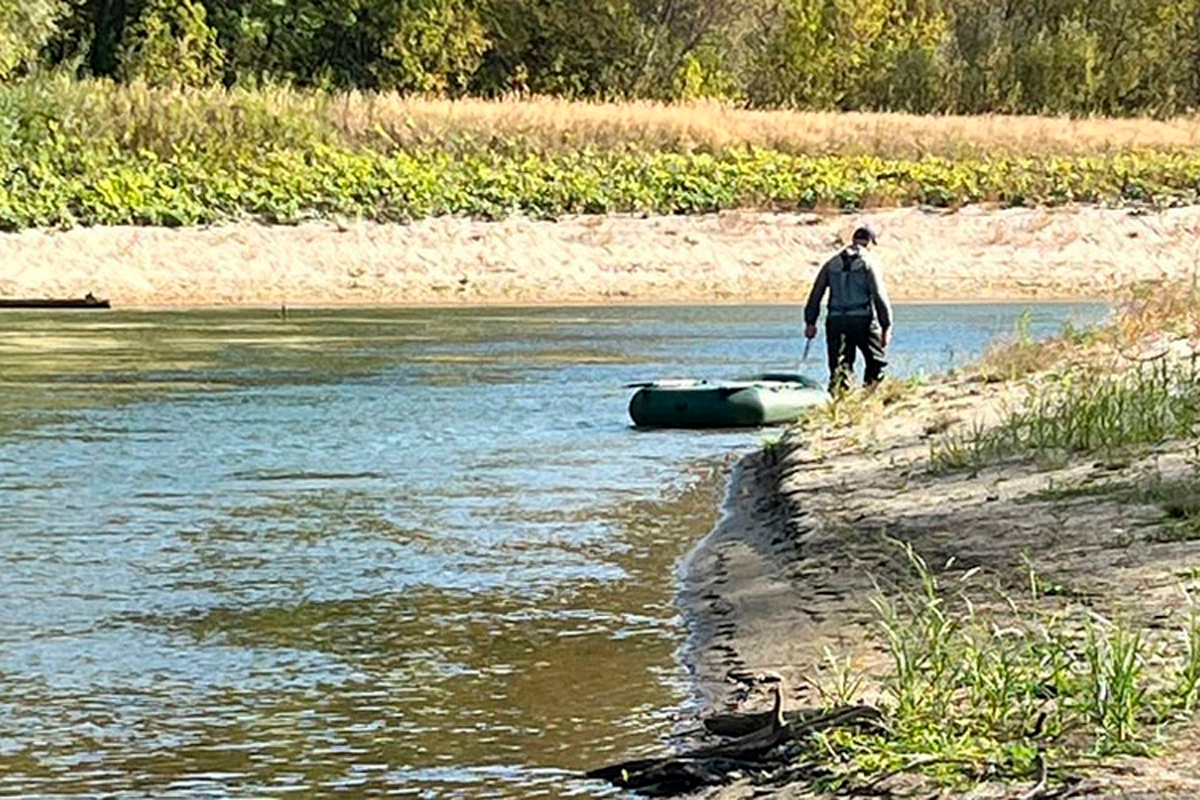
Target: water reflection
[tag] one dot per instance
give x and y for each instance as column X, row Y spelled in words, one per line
column 369, row 692
column 394, row 551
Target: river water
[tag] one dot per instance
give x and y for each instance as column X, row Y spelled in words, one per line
column 416, row 552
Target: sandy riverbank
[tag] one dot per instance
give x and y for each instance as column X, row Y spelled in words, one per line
column 972, row 254
column 787, row 576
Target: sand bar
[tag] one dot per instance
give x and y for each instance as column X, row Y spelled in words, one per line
column 975, row 253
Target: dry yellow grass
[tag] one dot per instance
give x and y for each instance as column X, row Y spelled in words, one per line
column 153, row 117
column 556, row 124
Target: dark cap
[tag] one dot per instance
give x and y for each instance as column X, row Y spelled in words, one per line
column 864, row 233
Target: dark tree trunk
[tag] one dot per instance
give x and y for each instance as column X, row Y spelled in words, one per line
column 111, row 17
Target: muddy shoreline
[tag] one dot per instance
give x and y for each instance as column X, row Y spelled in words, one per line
column 740, row 559
column 976, row 253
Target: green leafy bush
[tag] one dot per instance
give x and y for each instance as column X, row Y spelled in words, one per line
column 25, row 25
column 171, row 43
column 68, row 180
column 91, row 153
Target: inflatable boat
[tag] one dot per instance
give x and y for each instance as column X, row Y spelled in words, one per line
column 772, row 399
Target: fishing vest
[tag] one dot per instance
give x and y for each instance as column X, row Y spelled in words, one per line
column 850, row 286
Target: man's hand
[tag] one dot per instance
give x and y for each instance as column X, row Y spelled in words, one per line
column 810, row 332
column 885, row 336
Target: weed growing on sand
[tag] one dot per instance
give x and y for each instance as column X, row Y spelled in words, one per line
column 1021, row 355
column 1084, row 413
column 1187, row 677
column 1004, row 688
column 837, row 683
column 858, row 413
column 772, row 447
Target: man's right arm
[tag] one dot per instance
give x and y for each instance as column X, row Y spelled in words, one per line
column 812, row 309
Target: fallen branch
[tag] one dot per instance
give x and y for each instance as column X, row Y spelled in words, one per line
column 721, row 763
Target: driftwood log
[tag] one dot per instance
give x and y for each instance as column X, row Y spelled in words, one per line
column 733, row 725
column 754, row 749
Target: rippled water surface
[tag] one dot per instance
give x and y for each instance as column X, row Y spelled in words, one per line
column 405, row 551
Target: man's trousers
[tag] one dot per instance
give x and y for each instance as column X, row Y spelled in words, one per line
column 845, row 335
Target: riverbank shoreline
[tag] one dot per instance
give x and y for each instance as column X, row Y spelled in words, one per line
column 500, row 305
column 973, row 254
column 779, row 593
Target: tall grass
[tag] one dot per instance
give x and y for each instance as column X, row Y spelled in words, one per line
column 144, row 116
column 1082, row 412
column 986, row 685
column 1021, row 354
column 1157, row 319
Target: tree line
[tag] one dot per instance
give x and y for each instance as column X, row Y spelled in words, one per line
column 1112, row 57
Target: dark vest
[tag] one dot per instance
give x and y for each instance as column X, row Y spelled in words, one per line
column 850, row 286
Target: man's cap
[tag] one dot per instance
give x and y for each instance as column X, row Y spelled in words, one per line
column 864, row 232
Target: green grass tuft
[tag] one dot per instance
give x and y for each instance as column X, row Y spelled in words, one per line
column 997, row 687
column 1083, row 413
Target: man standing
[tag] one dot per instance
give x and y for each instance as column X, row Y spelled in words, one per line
column 859, row 315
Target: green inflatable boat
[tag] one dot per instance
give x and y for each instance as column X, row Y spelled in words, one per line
column 772, row 399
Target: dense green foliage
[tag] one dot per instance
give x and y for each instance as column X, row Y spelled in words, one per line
column 170, row 43
column 25, row 26
column 67, row 180
column 960, row 56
